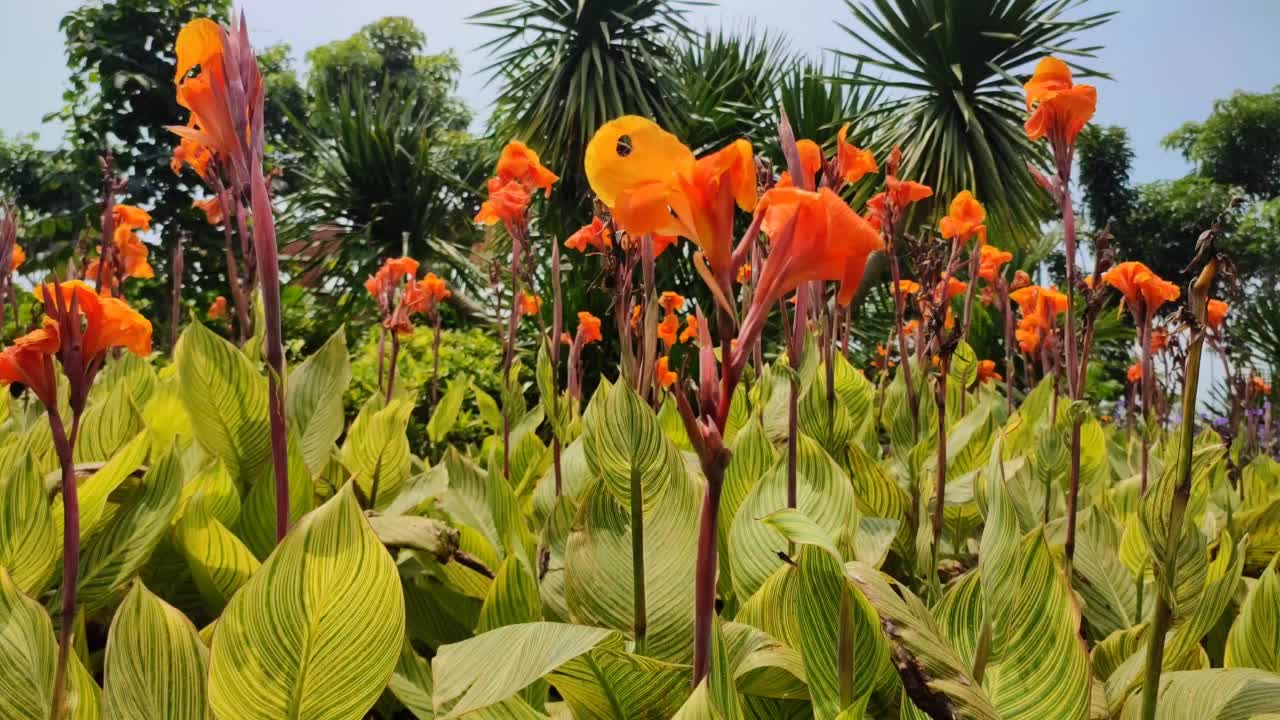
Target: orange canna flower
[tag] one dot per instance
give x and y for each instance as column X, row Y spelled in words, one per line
column 108, row 322
column 436, row 288
column 1217, row 313
column 663, row 374
column 744, row 274
column 654, row 184
column 19, row 257
column 218, row 310
column 987, row 371
column 589, row 328
column 29, row 360
column 1020, row 280
column 951, row 287
column 908, row 287
column 1159, row 340
column 810, row 161
column 1135, row 372
column 853, row 162
column 596, row 235
column 829, row 242
column 668, row 329
column 193, row 154
column 671, row 301
column 690, row 330
column 636, row 312
column 1260, row 386
column 507, row 203
column 1059, row 109
column 1143, row 290
column 212, row 209
column 910, row 327
column 212, row 126
column 990, row 260
column 520, row 164
column 1040, row 307
column 964, row 220
column 530, row 304
column 132, row 217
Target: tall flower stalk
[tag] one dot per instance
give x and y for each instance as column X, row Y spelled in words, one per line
column 1198, row 301
column 79, row 329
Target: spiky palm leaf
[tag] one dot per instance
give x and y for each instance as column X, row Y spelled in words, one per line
column 956, row 109
column 565, row 67
column 387, row 178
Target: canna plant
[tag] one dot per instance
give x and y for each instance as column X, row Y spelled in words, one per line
column 727, row 526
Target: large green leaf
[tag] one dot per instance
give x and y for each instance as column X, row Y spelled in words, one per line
column 1255, row 635
column 109, row 562
column 257, row 523
column 28, row 655
column 609, row 684
column 376, row 449
column 27, row 535
column 225, row 397
column 491, row 667
column 1103, row 581
column 625, row 445
column 219, row 562
column 1235, row 694
column 108, row 424
column 445, row 414
column 313, row 400
column 331, row 597
column 155, row 662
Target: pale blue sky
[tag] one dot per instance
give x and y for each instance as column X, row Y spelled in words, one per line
column 1170, row 58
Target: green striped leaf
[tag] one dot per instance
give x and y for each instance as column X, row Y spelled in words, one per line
column 27, row 535
column 1235, row 694
column 95, row 491
column 28, row 655
column 376, row 449
column 155, row 662
column 109, row 562
column 491, row 667
column 998, row 557
column 257, row 523
column 609, row 684
column 825, row 419
column 313, row 400
column 226, row 399
column 753, row 455
column 216, row 491
column 624, row 444
column 316, row 632
column 445, row 414
column 108, row 424
column 219, row 562
column 716, row 696
column 1255, row 635
column 824, row 495
column 1103, row 581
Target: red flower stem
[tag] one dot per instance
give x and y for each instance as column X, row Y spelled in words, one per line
column 391, row 369
column 899, row 310
column 65, row 448
column 940, row 476
column 175, row 303
column 508, row 354
column 1148, row 383
column 233, row 271
column 268, row 263
column 1003, row 290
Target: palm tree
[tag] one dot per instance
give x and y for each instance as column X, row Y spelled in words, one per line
column 956, row 109
column 565, row 67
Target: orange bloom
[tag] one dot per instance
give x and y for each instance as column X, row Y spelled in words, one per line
column 134, row 218
column 852, row 161
column 596, row 235
column 212, row 209
column 964, row 219
column 1142, row 289
column 520, row 164
column 1040, row 306
column 662, row 242
column 987, row 371
column 654, row 184
column 435, row 288
column 191, row 153
column 218, row 309
column 898, row 195
column 29, row 360
column 908, row 287
column 1059, row 109
column 1159, row 340
column 507, row 203
column 990, row 260
column 636, row 311
column 588, row 328
column 744, row 274
column 671, row 301
column 830, row 242
column 691, row 329
column 108, row 323
column 910, row 327
column 810, row 161
column 530, row 304
column 1135, row 372
column 19, row 257
column 668, row 329
column 1262, row 387
column 951, row 287
column 665, row 376
column 1217, row 312
column 212, row 125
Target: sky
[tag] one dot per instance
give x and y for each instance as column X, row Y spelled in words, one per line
column 1170, row 59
